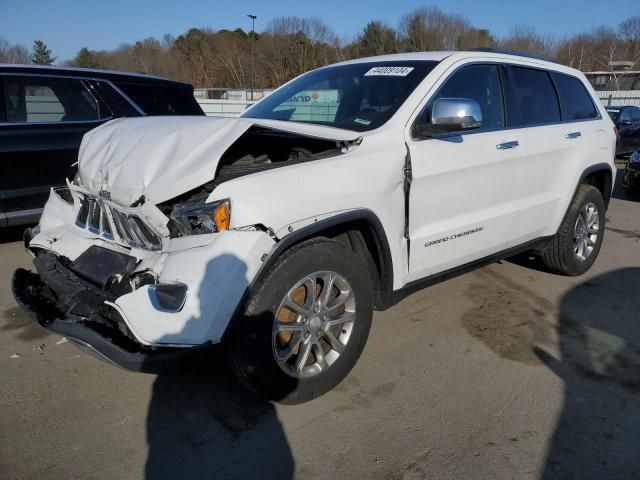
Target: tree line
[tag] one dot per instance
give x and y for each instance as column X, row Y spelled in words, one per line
column 290, row 46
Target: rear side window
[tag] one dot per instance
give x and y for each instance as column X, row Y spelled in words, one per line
column 32, row 99
column 575, row 101
column 534, row 99
column 162, row 100
column 635, row 114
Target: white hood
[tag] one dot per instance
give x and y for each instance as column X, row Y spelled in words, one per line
column 163, row 157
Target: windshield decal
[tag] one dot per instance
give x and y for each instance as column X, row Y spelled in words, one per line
column 389, row 71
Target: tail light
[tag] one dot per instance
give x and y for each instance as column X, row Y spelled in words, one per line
column 617, row 133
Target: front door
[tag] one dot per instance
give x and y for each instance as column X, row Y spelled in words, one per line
column 463, row 197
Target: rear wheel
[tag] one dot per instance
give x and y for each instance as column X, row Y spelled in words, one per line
column 306, row 325
column 576, row 245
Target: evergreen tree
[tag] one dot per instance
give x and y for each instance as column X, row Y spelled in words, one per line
column 41, row 54
column 86, row 58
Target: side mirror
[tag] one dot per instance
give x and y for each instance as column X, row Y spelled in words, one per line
column 456, row 114
column 450, row 115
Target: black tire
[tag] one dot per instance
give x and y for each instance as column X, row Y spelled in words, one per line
column 250, row 353
column 559, row 256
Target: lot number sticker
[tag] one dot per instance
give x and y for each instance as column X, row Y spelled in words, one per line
column 389, row 71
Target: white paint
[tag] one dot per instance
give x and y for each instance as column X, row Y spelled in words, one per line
column 503, row 197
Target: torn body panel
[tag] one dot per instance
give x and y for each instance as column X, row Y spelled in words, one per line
column 290, row 198
column 145, row 156
column 216, row 269
column 133, row 175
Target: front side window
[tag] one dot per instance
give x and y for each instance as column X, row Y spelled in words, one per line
column 33, row 99
column 575, row 101
column 359, row 96
column 535, row 101
column 480, row 83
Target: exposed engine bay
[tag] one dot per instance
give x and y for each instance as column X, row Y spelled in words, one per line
column 258, row 149
column 261, row 148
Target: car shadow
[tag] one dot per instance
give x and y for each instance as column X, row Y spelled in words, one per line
column 598, row 432
column 202, row 423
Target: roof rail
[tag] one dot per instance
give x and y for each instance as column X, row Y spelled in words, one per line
column 511, row 52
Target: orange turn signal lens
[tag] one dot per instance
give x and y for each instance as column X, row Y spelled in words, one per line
column 222, row 216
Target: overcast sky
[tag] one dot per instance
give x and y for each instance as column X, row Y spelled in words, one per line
column 68, row 25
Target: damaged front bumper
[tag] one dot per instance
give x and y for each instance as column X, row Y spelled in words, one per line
column 97, row 334
column 135, row 308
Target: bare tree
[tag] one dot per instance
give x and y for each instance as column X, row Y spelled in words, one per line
column 292, row 45
column 431, row 29
column 10, row 53
column 629, row 31
column 524, row 38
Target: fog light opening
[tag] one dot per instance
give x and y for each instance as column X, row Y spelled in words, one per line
column 168, row 297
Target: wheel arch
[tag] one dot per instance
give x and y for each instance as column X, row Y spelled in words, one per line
column 600, row 176
column 361, row 230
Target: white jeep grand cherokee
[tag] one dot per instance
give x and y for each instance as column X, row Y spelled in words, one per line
column 278, row 233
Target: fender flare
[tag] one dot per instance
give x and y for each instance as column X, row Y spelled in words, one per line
column 597, row 167
column 309, row 231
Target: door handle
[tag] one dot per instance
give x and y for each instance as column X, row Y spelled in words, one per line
column 507, row 145
column 571, row 135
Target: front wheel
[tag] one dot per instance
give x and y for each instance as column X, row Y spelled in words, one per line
column 306, row 325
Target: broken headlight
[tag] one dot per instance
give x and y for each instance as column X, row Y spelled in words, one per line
column 196, row 218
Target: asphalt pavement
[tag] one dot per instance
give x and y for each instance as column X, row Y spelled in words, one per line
column 503, row 373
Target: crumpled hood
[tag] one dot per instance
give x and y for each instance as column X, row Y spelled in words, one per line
column 163, row 157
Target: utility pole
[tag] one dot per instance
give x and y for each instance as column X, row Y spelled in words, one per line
column 253, row 50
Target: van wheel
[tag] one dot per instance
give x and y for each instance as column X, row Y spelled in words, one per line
column 306, row 325
column 575, row 247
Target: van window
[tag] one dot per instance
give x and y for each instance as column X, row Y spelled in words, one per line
column 575, row 101
column 535, row 99
column 31, row 99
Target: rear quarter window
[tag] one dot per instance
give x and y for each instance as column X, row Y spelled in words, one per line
column 162, row 100
column 575, row 101
column 534, row 100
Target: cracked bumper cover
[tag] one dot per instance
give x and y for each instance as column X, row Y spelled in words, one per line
column 215, row 270
column 27, row 288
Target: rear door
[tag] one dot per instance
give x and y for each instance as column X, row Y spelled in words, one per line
column 551, row 149
column 45, row 119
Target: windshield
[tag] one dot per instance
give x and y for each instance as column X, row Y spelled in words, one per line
column 360, row 96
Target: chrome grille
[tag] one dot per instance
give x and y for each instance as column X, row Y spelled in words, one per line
column 102, row 219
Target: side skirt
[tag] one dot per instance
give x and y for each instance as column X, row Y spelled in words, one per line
column 396, row 296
